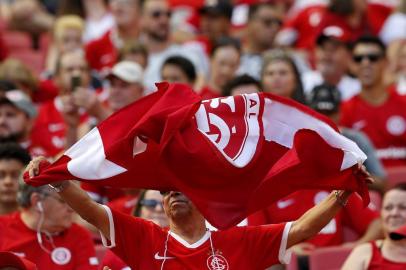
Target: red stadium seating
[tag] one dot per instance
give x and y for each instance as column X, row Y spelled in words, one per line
column 33, row 59
column 331, row 258
column 17, row 41
column 396, row 175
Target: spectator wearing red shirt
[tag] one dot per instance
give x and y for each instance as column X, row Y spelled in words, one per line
column 43, row 232
column 103, row 52
column 13, row 159
column 224, row 62
column 378, row 111
column 60, row 122
column 389, row 253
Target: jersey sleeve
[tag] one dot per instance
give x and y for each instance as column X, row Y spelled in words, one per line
column 130, row 237
column 267, row 244
column 356, row 216
column 84, row 252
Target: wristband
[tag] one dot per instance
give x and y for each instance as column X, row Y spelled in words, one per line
column 340, row 200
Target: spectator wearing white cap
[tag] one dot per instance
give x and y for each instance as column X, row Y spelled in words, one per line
column 332, row 58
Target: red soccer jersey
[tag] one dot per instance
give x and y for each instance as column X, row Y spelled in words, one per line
column 101, row 53
column 295, row 205
column 385, row 125
column 141, row 244
column 378, row 262
column 49, row 128
column 71, row 249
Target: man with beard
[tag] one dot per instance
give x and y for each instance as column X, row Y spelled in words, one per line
column 156, row 16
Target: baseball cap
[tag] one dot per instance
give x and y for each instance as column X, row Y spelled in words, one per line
column 325, row 98
column 399, row 233
column 128, row 71
column 20, row 100
column 333, row 32
column 12, row 260
column 217, row 7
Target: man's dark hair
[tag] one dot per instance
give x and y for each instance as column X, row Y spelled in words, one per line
column 253, row 9
column 369, row 39
column 400, row 186
column 226, row 42
column 184, row 64
column 341, row 7
column 239, row 81
column 12, row 150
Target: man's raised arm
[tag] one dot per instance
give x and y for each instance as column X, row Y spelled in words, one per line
column 77, row 199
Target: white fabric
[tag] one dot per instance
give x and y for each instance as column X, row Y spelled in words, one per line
column 394, row 28
column 111, row 228
column 347, row 86
column 281, row 122
column 285, row 254
column 196, row 244
column 96, row 29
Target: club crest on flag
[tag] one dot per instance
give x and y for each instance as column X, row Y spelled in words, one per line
column 232, row 125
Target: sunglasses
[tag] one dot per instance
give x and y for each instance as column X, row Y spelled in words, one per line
column 158, row 13
column 150, row 203
column 372, row 57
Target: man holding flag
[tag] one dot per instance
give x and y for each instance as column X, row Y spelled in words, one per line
column 229, row 156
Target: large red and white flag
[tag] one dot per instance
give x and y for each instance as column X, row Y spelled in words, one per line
column 231, row 156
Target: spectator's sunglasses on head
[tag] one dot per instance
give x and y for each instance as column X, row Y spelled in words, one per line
column 372, row 57
column 151, row 203
column 159, row 13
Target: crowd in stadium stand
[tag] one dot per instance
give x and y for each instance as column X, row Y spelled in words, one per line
column 67, row 65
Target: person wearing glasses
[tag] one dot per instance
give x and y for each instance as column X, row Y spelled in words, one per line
column 378, row 111
column 44, row 233
column 187, row 244
column 148, row 207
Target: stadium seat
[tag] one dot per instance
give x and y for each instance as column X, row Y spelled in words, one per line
column 17, row 41
column 33, row 59
column 396, row 175
column 331, row 258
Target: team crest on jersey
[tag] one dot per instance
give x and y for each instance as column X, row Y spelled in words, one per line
column 232, row 125
column 217, row 262
column 61, row 256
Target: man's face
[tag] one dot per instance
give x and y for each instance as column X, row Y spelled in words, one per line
column 177, row 205
column 58, row 216
column 10, row 171
column 123, row 93
column 72, row 65
column 125, row 12
column 332, row 58
column 156, row 18
column 14, row 123
column 264, row 25
column 214, row 26
column 393, row 212
column 224, row 64
column 368, row 64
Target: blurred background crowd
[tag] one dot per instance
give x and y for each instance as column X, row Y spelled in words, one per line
column 66, row 65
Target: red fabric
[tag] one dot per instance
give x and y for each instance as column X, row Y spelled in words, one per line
column 241, row 248
column 113, row 261
column 292, row 207
column 124, row 204
column 208, row 93
column 49, row 129
column 47, row 90
column 165, row 139
column 378, row 262
column 385, row 125
column 15, row 236
column 12, row 260
column 101, row 53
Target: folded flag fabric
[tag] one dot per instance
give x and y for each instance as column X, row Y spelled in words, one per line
column 231, row 156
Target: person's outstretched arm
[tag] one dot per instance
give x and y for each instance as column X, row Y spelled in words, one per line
column 315, row 219
column 77, row 199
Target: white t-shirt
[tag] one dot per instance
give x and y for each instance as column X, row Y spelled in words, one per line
column 347, row 86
